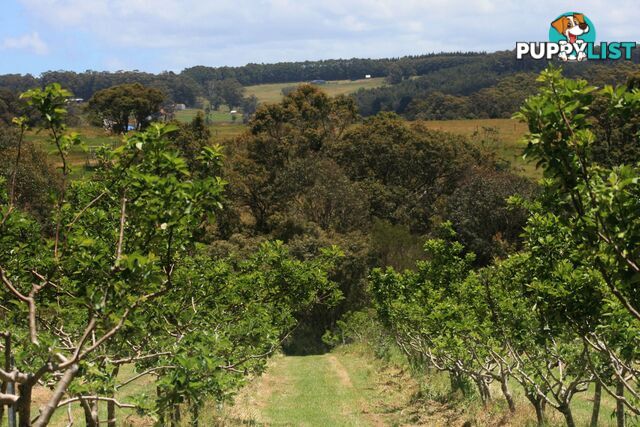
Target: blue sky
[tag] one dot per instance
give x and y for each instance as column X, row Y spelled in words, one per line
column 158, row 35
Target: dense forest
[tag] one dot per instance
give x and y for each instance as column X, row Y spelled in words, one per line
column 194, row 263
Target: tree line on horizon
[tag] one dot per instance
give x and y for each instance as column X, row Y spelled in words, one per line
column 411, row 79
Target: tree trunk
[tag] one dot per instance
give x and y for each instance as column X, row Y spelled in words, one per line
column 162, row 410
column 11, row 409
column 568, row 415
column 195, row 414
column 597, row 398
column 457, row 383
column 620, row 418
column 24, row 405
column 7, row 367
column 537, row 403
column 63, row 384
column 90, row 417
column 95, row 414
column 504, row 386
column 483, row 389
column 175, row 415
column 487, row 391
column 6, row 386
column 111, row 406
column 111, row 414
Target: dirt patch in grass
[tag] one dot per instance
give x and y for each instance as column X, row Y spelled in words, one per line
column 341, row 372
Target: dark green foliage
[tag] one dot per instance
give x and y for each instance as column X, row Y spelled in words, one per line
column 475, row 86
column 616, row 125
column 478, row 210
column 37, row 180
column 116, row 106
column 405, row 169
column 439, row 106
column 10, row 106
column 228, row 92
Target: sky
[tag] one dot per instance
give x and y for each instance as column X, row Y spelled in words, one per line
column 170, row 35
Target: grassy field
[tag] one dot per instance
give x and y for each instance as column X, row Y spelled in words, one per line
column 215, row 117
column 81, row 160
column 273, row 92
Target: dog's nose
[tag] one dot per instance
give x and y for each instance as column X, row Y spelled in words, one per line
column 583, row 26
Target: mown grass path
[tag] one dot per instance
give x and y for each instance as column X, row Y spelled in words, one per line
column 324, row 390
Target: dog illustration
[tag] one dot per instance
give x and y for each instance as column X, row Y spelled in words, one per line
column 572, row 27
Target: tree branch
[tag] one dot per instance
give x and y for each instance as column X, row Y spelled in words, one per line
column 100, row 398
column 47, row 411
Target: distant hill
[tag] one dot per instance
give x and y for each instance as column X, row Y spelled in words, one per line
column 412, row 78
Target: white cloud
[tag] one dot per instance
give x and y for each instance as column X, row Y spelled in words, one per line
column 178, row 33
column 29, row 42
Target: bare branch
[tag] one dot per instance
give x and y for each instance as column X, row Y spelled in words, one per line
column 29, row 300
column 48, row 410
column 100, row 398
column 83, row 210
column 138, row 358
column 121, row 234
column 8, row 399
column 142, row 374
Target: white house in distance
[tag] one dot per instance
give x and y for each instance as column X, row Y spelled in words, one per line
column 368, row 76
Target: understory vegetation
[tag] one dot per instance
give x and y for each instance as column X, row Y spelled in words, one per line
column 188, row 264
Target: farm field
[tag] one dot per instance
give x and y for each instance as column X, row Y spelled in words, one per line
column 273, row 92
column 82, row 158
column 186, row 116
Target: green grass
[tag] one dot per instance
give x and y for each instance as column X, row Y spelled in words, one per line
column 314, row 395
column 273, row 92
column 337, row 389
column 82, row 161
column 186, row 116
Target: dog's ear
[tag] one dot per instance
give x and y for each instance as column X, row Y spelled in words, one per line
column 579, row 17
column 560, row 24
